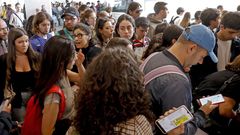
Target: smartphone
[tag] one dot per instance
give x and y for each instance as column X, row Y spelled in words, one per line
column 215, row 99
column 180, row 116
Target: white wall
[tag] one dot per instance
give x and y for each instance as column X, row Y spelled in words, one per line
column 31, row 6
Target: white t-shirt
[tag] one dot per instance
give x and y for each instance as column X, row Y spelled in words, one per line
column 15, row 21
column 224, row 54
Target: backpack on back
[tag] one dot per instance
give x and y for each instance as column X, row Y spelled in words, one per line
column 173, row 19
column 33, row 119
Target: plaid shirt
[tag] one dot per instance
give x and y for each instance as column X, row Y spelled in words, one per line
column 138, row 125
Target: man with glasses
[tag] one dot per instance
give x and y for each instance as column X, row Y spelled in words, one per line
column 3, row 37
column 71, row 18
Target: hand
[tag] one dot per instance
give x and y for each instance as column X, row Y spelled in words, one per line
column 6, row 106
column 80, row 58
column 208, row 108
column 19, row 124
column 176, row 131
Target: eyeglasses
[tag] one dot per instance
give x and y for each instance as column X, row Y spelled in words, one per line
column 79, row 35
column 69, row 19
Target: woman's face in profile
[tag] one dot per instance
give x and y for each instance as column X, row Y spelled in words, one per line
column 107, row 30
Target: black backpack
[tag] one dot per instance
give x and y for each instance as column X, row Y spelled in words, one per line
column 173, row 19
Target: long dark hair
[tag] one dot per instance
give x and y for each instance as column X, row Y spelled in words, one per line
column 99, row 25
column 122, row 18
column 111, row 92
column 39, row 18
column 57, row 53
column 33, row 56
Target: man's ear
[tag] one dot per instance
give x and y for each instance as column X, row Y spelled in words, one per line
column 130, row 12
column 89, row 37
column 100, row 31
column 221, row 27
column 192, row 48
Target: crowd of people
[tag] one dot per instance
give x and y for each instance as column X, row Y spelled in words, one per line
column 101, row 75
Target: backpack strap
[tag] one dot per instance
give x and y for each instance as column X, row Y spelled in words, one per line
column 228, row 81
column 18, row 17
column 56, row 89
column 163, row 70
column 173, row 19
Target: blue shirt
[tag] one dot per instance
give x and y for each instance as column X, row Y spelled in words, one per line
column 38, row 42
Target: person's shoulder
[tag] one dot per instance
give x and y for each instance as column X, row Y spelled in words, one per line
column 60, row 32
column 94, row 50
column 34, row 40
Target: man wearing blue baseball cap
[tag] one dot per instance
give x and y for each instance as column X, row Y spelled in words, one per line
column 227, row 44
column 166, row 75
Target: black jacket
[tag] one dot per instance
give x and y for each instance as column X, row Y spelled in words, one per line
column 5, row 123
column 2, row 75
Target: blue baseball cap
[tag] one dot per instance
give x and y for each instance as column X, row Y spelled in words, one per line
column 203, row 37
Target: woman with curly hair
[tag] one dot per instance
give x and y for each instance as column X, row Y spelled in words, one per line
column 112, row 99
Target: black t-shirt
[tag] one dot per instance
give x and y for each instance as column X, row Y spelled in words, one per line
column 21, row 82
column 2, row 75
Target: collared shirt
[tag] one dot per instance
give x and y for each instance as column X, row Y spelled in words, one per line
column 3, row 47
